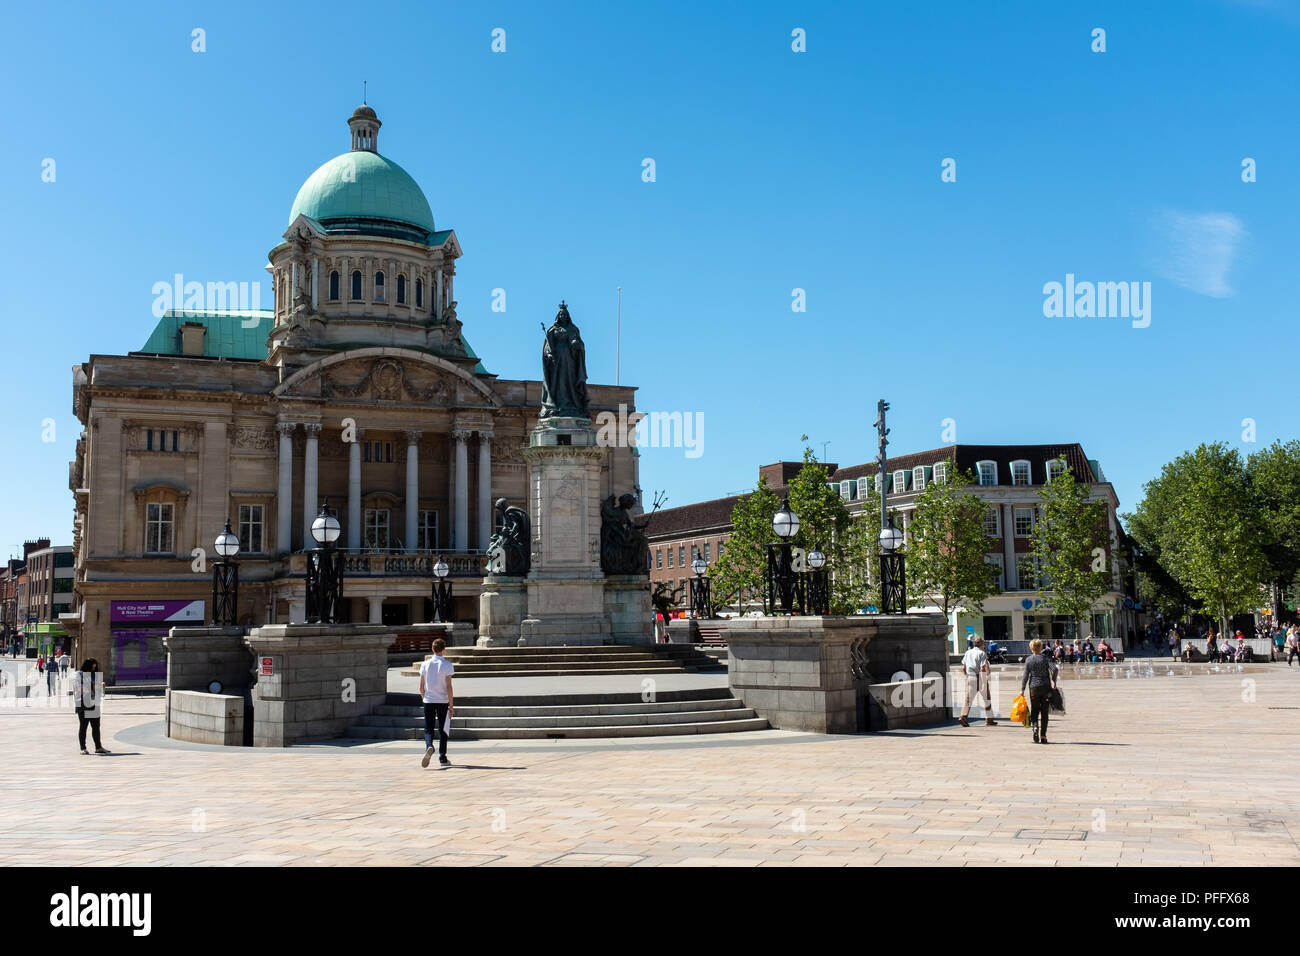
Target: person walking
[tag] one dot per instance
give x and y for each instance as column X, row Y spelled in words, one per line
column 87, row 692
column 1040, row 678
column 1292, row 645
column 64, row 663
column 52, row 674
column 976, row 664
column 439, row 704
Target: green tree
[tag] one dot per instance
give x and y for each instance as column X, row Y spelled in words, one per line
column 1275, row 481
column 1072, row 545
column 740, row 571
column 1204, row 514
column 945, row 557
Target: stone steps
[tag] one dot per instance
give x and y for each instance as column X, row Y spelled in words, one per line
column 708, row 711
column 574, row 661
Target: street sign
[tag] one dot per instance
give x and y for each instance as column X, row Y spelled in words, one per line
column 268, row 668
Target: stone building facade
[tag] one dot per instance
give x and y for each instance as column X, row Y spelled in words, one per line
column 359, row 388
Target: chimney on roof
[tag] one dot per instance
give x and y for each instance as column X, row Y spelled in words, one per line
column 192, row 334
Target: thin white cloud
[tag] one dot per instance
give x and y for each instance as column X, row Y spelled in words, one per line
column 1197, row 250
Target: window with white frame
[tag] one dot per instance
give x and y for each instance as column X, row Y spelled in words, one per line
column 1020, row 473
column 996, row 561
column 991, row 521
column 940, row 472
column 681, row 555
column 862, row 488
column 427, row 531
column 987, row 471
column 1028, row 571
column 706, row 551
column 900, row 482
column 159, row 527
column 659, row 558
column 1055, row 469
column 250, row 529
column 1024, row 522
column 918, row 478
column 845, row 492
column 377, row 529
column 670, row 556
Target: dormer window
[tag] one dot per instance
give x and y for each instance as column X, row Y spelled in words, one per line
column 401, row 290
column 1020, row 473
column 862, row 487
column 918, row 478
column 334, row 286
column 356, row 285
column 379, row 287
column 1055, row 469
column 941, row 473
column 900, row 482
column 987, row 471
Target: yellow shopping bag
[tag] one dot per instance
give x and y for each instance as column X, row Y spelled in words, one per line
column 1020, row 710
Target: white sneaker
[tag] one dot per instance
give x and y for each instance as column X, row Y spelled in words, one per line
column 428, row 755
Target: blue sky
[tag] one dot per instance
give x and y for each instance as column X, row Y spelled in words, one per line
column 775, row 170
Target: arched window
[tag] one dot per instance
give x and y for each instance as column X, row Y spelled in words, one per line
column 356, row 284
column 334, row 286
column 419, row 293
column 401, row 290
column 379, row 287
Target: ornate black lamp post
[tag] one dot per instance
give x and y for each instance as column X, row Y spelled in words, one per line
column 893, row 580
column 817, row 589
column 225, row 580
column 700, row 589
column 441, row 593
column 324, row 570
column 781, row 579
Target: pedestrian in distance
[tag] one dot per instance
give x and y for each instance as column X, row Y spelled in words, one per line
column 52, row 675
column 975, row 662
column 64, row 663
column 1040, row 678
column 1292, row 644
column 87, row 694
column 439, row 703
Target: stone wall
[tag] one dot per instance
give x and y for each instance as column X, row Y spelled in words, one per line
column 196, row 656
column 324, row 677
column 815, row 673
column 205, row 718
column 909, row 703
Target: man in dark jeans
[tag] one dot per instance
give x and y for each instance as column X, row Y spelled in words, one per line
column 1039, row 676
column 436, row 694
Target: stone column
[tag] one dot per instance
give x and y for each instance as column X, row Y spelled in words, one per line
column 376, row 609
column 437, row 301
column 1011, row 572
column 354, row 493
column 309, row 503
column 484, row 488
column 412, row 488
column 460, row 436
column 284, row 498
column 449, row 522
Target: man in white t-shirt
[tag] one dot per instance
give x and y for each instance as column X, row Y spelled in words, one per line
column 975, row 663
column 435, row 691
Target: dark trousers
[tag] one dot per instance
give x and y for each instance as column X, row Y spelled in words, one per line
column 94, row 731
column 1295, row 652
column 1039, row 707
column 435, row 718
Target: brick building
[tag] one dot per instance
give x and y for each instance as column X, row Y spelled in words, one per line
column 1008, row 477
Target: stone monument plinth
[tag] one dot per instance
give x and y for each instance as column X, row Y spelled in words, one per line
column 323, row 677
column 834, row 675
column 566, row 587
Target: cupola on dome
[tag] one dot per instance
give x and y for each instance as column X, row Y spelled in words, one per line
column 363, row 192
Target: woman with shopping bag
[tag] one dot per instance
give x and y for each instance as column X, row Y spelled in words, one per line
column 1040, row 678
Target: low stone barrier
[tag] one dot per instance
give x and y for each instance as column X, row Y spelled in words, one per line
column 206, row 718
column 908, row 703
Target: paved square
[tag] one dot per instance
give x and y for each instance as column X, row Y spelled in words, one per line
column 1165, row 769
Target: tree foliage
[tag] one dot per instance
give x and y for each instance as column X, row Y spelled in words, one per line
column 945, row 558
column 1275, row 484
column 1202, row 515
column 1071, row 542
column 740, row 571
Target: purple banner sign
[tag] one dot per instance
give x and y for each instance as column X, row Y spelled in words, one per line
column 155, row 612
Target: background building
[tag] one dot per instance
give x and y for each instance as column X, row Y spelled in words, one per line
column 358, row 387
column 1008, row 478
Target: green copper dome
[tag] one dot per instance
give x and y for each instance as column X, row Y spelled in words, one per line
column 360, row 190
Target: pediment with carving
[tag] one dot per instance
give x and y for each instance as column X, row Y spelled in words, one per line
column 387, row 380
